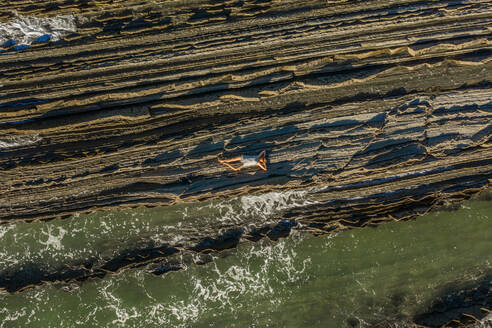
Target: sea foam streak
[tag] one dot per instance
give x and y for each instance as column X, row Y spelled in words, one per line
column 104, row 235
column 485, row 322
column 19, row 141
column 25, row 30
column 261, row 269
column 252, row 209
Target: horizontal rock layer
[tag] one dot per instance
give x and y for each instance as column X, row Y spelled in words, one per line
column 382, row 107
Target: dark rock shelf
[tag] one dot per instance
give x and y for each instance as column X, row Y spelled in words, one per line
column 385, row 107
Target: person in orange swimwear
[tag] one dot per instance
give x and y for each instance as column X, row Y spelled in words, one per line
column 245, row 161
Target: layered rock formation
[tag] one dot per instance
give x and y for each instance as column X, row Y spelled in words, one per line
column 362, row 102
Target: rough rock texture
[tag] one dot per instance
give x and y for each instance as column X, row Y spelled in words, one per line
column 384, row 107
column 157, row 258
column 460, row 308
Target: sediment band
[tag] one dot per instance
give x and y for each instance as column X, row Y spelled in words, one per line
column 136, row 107
column 382, row 109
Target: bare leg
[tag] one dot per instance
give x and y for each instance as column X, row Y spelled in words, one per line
column 234, row 159
column 262, row 166
column 232, row 167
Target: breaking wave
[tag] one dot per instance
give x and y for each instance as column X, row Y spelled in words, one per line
column 354, row 279
column 254, row 209
column 103, row 235
column 24, row 30
column 19, row 141
column 259, row 272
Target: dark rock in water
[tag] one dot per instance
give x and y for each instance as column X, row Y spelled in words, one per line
column 229, row 239
column 456, row 308
column 165, row 269
column 353, row 322
column 380, row 110
column 282, row 229
column 258, row 233
column 156, row 257
column 137, row 257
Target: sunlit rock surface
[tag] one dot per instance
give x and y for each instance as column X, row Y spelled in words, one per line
column 131, row 103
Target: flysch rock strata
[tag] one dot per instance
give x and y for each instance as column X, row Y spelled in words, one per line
column 377, row 106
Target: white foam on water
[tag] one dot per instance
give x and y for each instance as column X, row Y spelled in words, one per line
column 226, row 287
column 10, row 317
column 485, row 322
column 7, row 258
column 19, row 141
column 222, row 289
column 285, row 256
column 216, row 217
column 115, row 304
column 157, row 315
column 184, row 311
column 256, row 208
column 105, row 228
column 54, row 241
column 273, row 202
column 5, row 228
column 24, row 30
column 102, row 236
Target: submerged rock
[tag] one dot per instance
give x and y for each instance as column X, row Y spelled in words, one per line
column 458, row 308
column 380, row 111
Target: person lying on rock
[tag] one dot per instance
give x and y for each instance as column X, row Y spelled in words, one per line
column 246, row 161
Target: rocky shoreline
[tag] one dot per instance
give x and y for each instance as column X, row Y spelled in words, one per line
column 381, row 110
column 201, row 247
column 355, row 100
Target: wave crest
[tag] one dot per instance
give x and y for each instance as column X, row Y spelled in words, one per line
column 24, row 30
column 19, row 141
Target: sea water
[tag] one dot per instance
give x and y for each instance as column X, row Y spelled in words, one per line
column 355, row 278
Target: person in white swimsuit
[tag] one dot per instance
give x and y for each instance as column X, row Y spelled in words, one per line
column 246, row 161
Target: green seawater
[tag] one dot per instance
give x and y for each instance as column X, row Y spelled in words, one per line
column 355, row 278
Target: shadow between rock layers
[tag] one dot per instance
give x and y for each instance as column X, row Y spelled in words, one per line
column 384, row 109
column 136, row 106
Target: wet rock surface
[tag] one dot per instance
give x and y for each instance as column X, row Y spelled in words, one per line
column 137, row 105
column 382, row 110
column 157, row 259
column 460, row 308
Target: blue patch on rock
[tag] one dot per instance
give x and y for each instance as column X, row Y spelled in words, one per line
column 22, row 47
column 43, row 38
column 9, row 43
